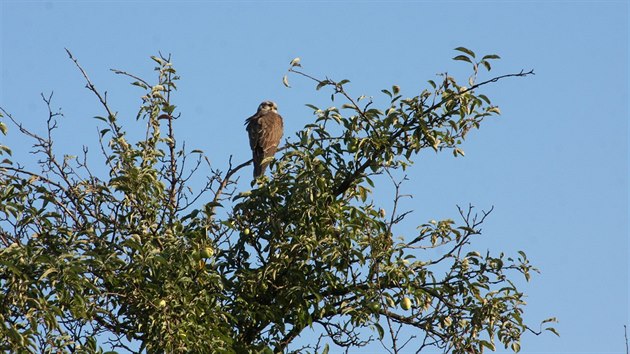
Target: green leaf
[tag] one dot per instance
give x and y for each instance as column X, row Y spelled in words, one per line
column 379, row 329
column 157, row 60
column 348, row 106
column 266, row 350
column 516, row 347
column 140, row 84
column 466, row 50
column 487, row 344
column 484, row 97
column 552, row 330
column 6, row 149
column 295, row 62
column 322, row 84
column 462, row 58
column 458, row 151
column 490, row 56
column 169, row 109
column 326, row 349
column 494, row 109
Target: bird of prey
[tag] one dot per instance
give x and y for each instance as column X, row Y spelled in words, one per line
column 265, row 131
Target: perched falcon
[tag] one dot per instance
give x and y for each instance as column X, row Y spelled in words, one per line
column 265, row 131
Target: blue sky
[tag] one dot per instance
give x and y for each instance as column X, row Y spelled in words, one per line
column 554, row 165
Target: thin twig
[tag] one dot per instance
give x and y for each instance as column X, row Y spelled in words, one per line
column 224, row 182
column 625, row 332
column 90, row 85
column 121, row 72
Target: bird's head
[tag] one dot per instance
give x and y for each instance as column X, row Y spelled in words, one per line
column 268, row 106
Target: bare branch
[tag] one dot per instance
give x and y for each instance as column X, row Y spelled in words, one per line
column 90, row 86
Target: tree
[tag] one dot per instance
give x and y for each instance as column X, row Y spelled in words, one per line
column 134, row 259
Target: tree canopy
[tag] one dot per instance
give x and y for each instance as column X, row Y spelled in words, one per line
column 129, row 257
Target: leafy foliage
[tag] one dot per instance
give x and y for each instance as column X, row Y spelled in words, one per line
column 128, row 260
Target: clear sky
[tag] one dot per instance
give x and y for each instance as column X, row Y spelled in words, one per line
column 554, row 165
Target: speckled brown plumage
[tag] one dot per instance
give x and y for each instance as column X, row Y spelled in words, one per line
column 265, row 131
